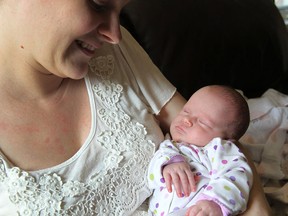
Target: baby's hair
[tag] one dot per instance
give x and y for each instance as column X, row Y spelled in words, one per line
column 239, row 104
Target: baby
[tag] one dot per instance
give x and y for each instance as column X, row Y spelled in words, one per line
column 202, row 151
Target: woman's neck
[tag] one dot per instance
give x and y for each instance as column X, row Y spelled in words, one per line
column 31, row 86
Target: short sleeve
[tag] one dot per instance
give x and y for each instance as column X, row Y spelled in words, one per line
column 156, row 89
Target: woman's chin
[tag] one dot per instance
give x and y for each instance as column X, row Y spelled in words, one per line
column 78, row 72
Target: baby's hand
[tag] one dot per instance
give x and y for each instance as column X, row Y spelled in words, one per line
column 180, row 175
column 204, row 208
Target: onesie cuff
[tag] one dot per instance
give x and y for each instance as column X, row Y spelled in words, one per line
column 175, row 159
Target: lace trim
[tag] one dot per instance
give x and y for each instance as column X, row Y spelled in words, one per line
column 115, row 189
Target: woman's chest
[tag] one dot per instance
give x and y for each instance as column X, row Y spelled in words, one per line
column 44, row 138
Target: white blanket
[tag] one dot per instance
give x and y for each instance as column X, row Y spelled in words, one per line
column 267, row 140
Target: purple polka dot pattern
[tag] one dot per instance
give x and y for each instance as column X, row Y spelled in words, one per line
column 176, row 208
column 224, row 161
column 212, row 172
column 232, row 201
column 209, row 188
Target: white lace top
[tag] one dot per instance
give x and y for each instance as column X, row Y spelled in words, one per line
column 107, row 176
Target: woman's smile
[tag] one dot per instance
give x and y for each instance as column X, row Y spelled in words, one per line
column 88, row 49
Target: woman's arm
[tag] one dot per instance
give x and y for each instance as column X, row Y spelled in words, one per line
column 257, row 204
column 170, row 110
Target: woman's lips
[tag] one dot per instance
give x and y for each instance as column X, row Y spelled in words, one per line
column 88, row 49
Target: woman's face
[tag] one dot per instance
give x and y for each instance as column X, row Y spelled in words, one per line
column 60, row 36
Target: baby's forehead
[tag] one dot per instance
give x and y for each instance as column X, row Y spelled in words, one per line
column 218, row 100
column 205, row 95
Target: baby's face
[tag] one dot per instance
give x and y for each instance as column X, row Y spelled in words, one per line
column 204, row 117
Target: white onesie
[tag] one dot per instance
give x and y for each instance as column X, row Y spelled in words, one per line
column 222, row 169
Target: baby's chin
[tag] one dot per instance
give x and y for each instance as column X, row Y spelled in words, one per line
column 175, row 137
column 179, row 140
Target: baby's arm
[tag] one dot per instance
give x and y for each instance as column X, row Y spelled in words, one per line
column 180, row 175
column 163, row 156
column 230, row 178
column 168, row 158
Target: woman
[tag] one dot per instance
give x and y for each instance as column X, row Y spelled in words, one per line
column 76, row 139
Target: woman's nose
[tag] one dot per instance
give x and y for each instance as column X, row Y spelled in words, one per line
column 110, row 30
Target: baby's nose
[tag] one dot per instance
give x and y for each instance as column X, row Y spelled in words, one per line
column 188, row 122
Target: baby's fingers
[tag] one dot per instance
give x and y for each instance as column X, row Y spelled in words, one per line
column 192, row 179
column 185, row 183
column 178, row 185
column 193, row 211
column 168, row 181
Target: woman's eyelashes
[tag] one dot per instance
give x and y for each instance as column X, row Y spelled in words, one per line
column 97, row 6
